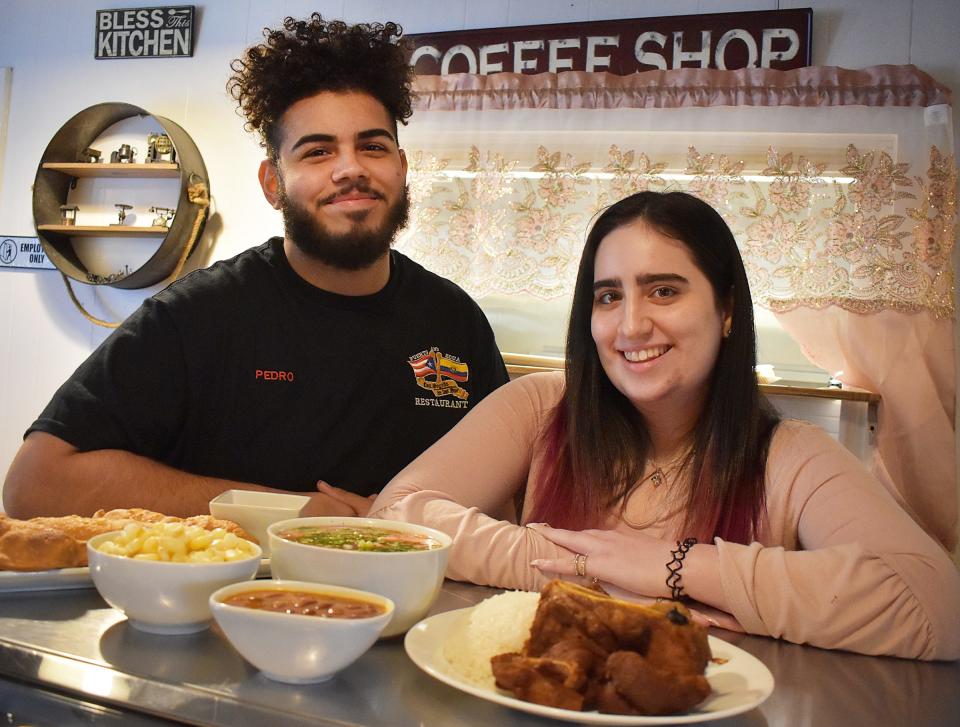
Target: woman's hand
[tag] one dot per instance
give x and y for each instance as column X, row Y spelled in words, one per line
column 633, row 561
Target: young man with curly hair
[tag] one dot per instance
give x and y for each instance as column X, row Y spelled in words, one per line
column 322, row 356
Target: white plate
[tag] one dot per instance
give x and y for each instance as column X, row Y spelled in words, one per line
column 61, row 579
column 739, row 684
column 45, row 580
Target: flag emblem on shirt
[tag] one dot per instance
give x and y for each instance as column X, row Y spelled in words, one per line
column 440, row 373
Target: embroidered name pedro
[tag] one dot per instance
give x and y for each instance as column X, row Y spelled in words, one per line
column 441, row 374
column 272, row 375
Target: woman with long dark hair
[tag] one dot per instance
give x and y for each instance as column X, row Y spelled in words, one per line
column 654, row 465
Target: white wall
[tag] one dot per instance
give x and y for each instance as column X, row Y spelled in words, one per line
column 49, row 45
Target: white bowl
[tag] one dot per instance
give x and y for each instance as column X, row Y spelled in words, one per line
column 162, row 597
column 291, row 647
column 254, row 511
column 411, row 579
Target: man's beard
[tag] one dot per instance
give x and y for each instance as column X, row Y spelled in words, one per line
column 354, row 250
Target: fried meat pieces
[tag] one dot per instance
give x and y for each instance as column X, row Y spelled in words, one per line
column 635, row 686
column 561, row 677
column 44, row 543
column 587, row 650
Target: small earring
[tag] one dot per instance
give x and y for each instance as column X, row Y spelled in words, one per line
column 726, row 333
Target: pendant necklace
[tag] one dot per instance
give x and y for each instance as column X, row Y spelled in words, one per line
column 660, row 471
column 658, row 477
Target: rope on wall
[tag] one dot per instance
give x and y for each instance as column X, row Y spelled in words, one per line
column 199, row 195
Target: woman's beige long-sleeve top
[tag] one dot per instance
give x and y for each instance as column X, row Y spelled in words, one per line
column 838, row 565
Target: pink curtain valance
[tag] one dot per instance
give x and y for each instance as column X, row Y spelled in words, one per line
column 840, row 186
column 884, row 85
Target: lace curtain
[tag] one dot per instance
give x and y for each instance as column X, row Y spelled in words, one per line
column 839, row 185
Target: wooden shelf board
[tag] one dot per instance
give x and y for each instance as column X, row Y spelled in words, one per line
column 520, row 364
column 104, row 230
column 820, row 392
column 84, row 169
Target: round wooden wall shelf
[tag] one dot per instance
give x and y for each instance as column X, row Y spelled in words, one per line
column 62, row 164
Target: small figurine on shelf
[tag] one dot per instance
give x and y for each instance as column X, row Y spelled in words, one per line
column 123, row 155
column 68, row 214
column 110, row 277
column 122, row 212
column 160, row 149
column 163, row 216
column 89, row 155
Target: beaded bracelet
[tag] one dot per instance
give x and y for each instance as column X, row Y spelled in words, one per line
column 673, row 579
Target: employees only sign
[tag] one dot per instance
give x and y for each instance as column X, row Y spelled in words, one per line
column 23, row 252
column 164, row 32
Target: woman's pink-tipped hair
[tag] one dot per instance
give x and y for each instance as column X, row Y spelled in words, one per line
column 576, row 507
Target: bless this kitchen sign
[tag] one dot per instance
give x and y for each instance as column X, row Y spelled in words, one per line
column 165, row 32
column 777, row 39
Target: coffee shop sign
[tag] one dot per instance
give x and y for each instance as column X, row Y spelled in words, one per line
column 162, row 32
column 777, row 39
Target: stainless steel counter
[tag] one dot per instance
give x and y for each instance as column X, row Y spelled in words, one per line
column 69, row 651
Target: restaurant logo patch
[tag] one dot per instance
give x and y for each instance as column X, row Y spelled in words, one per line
column 441, row 374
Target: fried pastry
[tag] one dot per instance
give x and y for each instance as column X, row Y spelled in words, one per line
column 588, row 649
column 207, row 522
column 29, row 546
column 136, row 513
column 77, row 527
column 45, row 543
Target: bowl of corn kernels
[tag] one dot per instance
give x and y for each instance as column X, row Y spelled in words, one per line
column 161, row 575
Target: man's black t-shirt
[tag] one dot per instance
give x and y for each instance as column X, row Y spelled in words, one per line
column 247, row 372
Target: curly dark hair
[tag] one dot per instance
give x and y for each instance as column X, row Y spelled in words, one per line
column 307, row 57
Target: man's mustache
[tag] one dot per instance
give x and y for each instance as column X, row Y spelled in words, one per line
column 361, row 187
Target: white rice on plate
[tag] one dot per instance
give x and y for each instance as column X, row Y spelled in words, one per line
column 494, row 626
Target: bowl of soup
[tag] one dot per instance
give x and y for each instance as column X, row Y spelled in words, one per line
column 404, row 562
column 296, row 631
